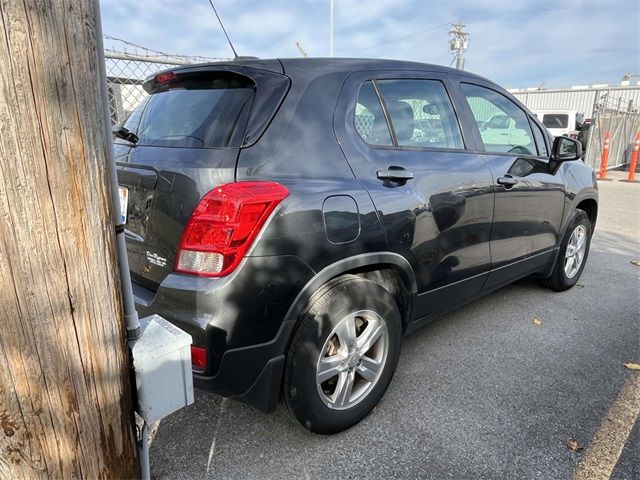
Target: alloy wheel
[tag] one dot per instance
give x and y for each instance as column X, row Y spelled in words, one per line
column 574, row 254
column 352, row 359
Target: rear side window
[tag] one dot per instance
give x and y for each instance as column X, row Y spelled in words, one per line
column 199, row 113
column 555, row 120
column 503, row 126
column 421, row 113
column 369, row 119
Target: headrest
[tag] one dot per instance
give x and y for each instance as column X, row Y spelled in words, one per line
column 402, row 119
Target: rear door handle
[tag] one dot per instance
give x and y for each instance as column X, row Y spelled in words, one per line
column 397, row 174
column 507, row 181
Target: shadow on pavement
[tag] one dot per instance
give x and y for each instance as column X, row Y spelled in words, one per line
column 482, row 392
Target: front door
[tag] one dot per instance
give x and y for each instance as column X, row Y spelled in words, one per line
column 529, row 192
column 403, row 138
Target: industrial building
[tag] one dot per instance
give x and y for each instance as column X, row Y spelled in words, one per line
column 583, row 98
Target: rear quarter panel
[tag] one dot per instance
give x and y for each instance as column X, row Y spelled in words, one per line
column 300, row 150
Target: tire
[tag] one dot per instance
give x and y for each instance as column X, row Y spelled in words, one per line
column 561, row 279
column 325, row 329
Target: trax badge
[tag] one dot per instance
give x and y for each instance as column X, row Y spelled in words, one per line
column 156, row 259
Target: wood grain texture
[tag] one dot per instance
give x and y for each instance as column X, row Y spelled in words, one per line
column 65, row 408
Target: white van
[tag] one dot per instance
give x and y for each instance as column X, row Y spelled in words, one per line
column 567, row 123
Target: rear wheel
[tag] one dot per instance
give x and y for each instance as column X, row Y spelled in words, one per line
column 573, row 254
column 343, row 355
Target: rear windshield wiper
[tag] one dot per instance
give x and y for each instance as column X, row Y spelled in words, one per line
column 125, row 134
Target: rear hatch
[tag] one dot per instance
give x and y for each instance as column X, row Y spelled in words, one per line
column 182, row 141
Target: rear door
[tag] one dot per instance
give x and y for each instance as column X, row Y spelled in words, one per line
column 404, row 140
column 187, row 136
column 529, row 190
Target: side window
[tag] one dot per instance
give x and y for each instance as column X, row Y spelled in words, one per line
column 369, row 118
column 504, row 127
column 555, row 120
column 421, row 113
column 542, row 147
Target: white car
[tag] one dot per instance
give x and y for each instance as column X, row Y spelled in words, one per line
column 500, row 129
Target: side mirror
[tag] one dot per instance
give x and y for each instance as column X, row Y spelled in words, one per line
column 566, row 149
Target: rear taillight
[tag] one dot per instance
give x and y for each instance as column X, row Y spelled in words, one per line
column 165, row 77
column 223, row 226
column 198, row 357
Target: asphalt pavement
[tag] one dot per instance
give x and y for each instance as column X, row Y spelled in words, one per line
column 484, row 392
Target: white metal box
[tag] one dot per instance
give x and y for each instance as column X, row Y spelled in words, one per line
column 162, row 363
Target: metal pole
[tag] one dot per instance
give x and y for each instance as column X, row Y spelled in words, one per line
column 590, row 154
column 458, row 43
column 132, row 323
column 602, row 109
column 145, row 469
column 331, row 28
column 617, row 138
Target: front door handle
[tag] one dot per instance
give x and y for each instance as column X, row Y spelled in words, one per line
column 507, row 181
column 397, row 174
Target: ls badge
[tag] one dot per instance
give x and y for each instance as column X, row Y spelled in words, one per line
column 156, row 259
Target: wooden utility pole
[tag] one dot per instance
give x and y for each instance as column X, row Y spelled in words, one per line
column 65, row 401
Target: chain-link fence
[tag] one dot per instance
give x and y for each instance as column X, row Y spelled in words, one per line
column 622, row 122
column 125, row 75
column 127, row 71
column 364, row 119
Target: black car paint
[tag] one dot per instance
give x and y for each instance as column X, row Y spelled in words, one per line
column 439, row 231
column 445, row 209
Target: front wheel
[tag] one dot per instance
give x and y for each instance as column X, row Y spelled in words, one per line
column 573, row 253
column 343, row 355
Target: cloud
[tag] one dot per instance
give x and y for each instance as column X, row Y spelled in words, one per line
column 514, row 43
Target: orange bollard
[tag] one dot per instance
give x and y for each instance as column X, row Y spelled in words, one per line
column 605, row 157
column 634, row 159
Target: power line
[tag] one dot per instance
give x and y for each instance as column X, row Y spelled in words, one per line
column 235, row 54
column 493, row 16
column 543, row 12
column 396, row 40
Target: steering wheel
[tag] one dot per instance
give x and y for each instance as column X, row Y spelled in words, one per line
column 519, row 149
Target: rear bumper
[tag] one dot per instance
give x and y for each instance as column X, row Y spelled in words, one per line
column 239, row 319
column 252, row 375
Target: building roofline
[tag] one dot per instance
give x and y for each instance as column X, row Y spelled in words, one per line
column 580, row 88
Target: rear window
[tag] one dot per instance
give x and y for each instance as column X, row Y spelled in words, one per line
column 198, row 113
column 555, row 120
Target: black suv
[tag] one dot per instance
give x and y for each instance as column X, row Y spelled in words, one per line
column 298, row 217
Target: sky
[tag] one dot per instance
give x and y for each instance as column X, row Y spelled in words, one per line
column 515, row 43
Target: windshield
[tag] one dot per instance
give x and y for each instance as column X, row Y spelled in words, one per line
column 555, row 120
column 205, row 113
